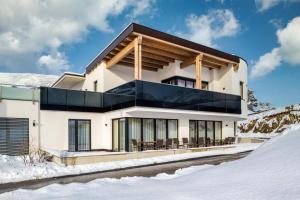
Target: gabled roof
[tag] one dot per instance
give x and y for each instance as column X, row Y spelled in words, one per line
column 140, row 29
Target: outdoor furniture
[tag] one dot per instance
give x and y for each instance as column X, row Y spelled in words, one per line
column 194, row 142
column 185, row 143
column 218, row 142
column 208, row 142
column 176, row 143
column 135, row 145
column 159, row 144
column 201, row 142
column 169, row 143
column 149, row 145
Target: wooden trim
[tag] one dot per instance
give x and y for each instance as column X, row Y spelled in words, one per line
column 187, row 62
column 121, row 54
column 198, row 67
column 149, row 60
column 126, row 64
column 144, row 63
column 138, row 58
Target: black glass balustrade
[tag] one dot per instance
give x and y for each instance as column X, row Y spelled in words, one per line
column 140, row 93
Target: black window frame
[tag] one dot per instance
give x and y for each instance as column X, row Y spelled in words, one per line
column 76, row 135
column 175, row 79
column 95, row 86
column 214, row 130
column 127, row 130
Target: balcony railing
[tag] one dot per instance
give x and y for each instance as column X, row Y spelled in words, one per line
column 15, row 93
column 140, row 93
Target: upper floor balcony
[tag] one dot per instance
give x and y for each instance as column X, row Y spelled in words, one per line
column 140, row 93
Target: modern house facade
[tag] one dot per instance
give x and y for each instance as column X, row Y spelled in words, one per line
column 145, row 86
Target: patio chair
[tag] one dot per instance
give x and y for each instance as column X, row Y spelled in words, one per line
column 159, row 144
column 201, row 142
column 208, row 142
column 169, row 143
column 231, row 140
column 185, row 143
column 194, row 142
column 135, row 145
column 176, row 143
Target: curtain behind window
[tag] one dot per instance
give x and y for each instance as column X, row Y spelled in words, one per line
column 161, row 131
column 172, row 128
column 148, row 130
column 134, row 129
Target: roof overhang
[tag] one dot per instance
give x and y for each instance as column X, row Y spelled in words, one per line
column 68, row 80
column 158, row 49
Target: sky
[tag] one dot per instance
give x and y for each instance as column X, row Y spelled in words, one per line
column 53, row 36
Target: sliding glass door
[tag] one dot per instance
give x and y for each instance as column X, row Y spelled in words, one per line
column 79, row 135
column 134, row 131
column 161, row 129
column 115, row 130
column 172, row 129
column 148, row 130
column 125, row 131
column 193, row 130
column 206, row 132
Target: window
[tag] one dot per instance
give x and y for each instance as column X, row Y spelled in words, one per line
column 204, row 85
column 206, row 132
column 141, row 130
column 184, row 82
column 242, row 89
column 79, row 135
column 95, row 86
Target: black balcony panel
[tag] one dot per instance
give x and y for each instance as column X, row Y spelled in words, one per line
column 140, row 93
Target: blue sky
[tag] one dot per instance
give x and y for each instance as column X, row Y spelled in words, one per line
column 56, row 36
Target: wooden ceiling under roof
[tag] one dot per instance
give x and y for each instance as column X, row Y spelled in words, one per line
column 156, row 54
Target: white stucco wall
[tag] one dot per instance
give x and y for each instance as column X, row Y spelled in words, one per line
column 54, row 129
column 23, row 109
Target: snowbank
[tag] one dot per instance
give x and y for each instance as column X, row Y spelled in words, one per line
column 13, row 169
column 270, row 172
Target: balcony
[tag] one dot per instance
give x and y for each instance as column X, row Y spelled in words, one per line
column 140, row 93
column 22, row 94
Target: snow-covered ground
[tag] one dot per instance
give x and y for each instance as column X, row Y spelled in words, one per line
column 27, row 79
column 13, row 168
column 270, row 172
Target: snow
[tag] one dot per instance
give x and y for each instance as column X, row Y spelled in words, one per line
column 13, row 169
column 27, row 79
column 269, row 172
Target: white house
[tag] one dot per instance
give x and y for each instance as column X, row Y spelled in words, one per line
column 145, row 88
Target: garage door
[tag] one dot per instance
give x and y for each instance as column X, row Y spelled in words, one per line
column 14, row 136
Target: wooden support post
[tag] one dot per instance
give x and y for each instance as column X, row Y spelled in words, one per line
column 198, row 67
column 138, row 58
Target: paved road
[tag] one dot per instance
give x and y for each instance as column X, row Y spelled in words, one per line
column 146, row 171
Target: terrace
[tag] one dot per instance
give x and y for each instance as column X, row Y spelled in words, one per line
column 140, row 93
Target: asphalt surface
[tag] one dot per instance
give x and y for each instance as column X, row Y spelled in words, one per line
column 145, row 171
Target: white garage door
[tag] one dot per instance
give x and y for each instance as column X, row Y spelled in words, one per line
column 14, row 136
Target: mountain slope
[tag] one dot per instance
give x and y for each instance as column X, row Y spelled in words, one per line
column 272, row 121
column 27, row 79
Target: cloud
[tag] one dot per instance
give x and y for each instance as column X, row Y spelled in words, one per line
column 289, row 40
column 32, row 29
column 216, row 24
column 266, row 63
column 54, row 63
column 263, row 5
column 288, row 50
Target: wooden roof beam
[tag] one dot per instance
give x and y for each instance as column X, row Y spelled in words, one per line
column 156, row 51
column 144, row 63
column 168, row 48
column 157, row 57
column 149, row 60
column 132, row 65
column 121, row 54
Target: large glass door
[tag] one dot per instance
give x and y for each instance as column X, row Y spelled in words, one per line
column 122, row 135
column 161, row 129
column 148, row 130
column 193, row 131
column 210, row 133
column 115, row 130
column 134, row 131
column 79, row 135
column 201, row 133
